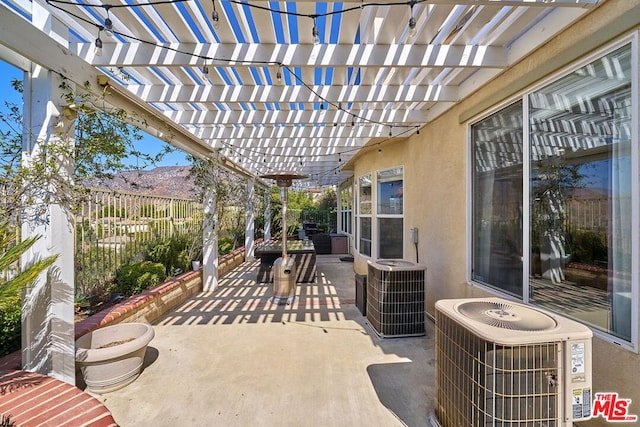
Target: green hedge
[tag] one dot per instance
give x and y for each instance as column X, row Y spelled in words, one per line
column 172, row 253
column 10, row 325
column 134, row 278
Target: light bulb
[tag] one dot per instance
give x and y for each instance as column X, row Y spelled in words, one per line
column 108, row 27
column 98, row 46
column 412, row 27
column 316, row 35
column 216, row 19
column 279, row 76
column 108, row 23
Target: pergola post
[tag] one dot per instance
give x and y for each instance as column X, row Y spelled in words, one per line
column 338, row 209
column 267, row 215
column 210, row 241
column 249, row 237
column 48, row 335
column 48, row 338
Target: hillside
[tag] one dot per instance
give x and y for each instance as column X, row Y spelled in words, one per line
column 171, row 181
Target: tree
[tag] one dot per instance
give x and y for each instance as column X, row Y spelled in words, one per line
column 104, row 144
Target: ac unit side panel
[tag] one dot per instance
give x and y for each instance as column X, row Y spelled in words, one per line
column 577, row 380
column 499, row 328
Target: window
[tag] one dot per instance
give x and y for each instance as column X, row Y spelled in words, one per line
column 579, row 137
column 389, row 213
column 580, row 189
column 364, row 214
column 497, row 200
column 346, row 206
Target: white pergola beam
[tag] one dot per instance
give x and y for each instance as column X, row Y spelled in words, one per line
column 343, row 134
column 137, row 54
column 286, row 94
column 387, row 117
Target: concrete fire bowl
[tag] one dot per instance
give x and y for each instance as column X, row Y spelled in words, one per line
column 111, row 357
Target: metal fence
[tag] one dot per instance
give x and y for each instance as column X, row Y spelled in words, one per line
column 326, row 218
column 116, row 228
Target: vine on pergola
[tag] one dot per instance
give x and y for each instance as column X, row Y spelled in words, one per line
column 104, row 144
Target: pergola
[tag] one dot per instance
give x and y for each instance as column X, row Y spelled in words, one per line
column 261, row 86
column 248, row 80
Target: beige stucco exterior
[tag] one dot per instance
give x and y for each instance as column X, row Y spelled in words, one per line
column 436, row 180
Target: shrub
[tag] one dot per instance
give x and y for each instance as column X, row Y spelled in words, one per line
column 10, row 325
column 134, row 278
column 172, row 253
column 225, row 245
column 588, row 247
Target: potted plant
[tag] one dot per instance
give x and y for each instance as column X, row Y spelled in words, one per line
column 111, row 357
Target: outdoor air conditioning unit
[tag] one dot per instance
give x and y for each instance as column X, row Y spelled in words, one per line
column 505, row 364
column 395, row 297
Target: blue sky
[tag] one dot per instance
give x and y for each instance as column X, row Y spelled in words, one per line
column 149, row 144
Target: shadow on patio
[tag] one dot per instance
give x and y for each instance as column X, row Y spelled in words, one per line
column 240, row 299
column 232, row 358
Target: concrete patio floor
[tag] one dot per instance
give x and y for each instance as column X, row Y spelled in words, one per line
column 231, row 358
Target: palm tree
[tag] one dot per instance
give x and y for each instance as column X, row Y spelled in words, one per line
column 11, row 283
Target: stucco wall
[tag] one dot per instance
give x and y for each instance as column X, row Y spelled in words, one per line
column 435, row 186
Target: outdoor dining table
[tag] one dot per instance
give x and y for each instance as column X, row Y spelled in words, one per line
column 302, row 251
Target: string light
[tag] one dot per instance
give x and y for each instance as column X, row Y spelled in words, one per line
column 98, row 44
column 297, row 78
column 390, row 131
column 108, row 26
column 315, row 33
column 108, row 23
column 412, row 21
column 214, row 16
column 279, row 75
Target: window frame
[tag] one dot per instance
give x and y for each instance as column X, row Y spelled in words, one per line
column 379, row 215
column 345, row 205
column 523, row 96
column 361, row 215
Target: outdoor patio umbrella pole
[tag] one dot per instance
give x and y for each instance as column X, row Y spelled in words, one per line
column 284, row 194
column 284, row 268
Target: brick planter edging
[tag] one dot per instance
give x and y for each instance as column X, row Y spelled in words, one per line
column 36, row 398
column 137, row 308
column 146, row 306
column 128, row 310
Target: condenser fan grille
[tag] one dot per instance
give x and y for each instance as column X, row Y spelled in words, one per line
column 506, row 316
